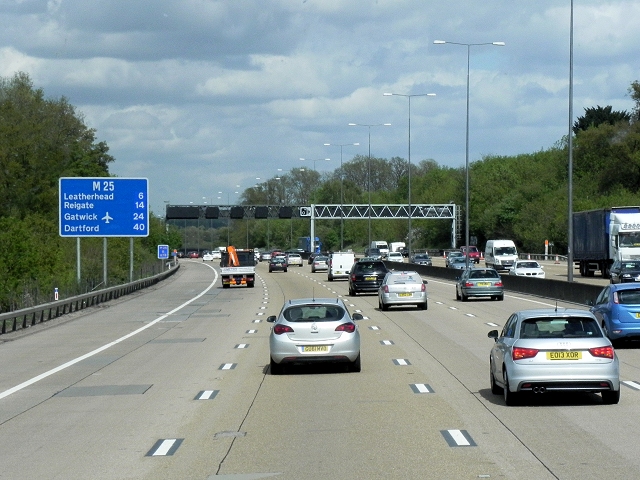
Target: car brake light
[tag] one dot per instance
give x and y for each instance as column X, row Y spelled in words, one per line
column 346, row 327
column 604, row 352
column 519, row 353
column 280, row 329
column 498, row 284
column 423, row 288
column 385, row 289
column 353, row 277
column 468, row 284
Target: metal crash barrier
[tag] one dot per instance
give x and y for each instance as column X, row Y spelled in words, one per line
column 28, row 317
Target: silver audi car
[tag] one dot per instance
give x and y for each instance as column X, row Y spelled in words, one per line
column 314, row 330
column 547, row 350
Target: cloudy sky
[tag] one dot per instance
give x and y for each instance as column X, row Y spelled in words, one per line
column 200, row 96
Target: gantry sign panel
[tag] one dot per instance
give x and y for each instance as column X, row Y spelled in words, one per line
column 318, row 212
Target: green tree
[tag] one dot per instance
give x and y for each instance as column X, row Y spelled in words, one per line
column 594, row 117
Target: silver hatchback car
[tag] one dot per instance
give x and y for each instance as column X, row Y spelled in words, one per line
column 547, row 350
column 314, row 330
column 402, row 288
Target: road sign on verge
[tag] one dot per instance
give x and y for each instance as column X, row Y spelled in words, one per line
column 163, row 251
column 103, row 207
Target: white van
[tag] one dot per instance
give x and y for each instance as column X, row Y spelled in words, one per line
column 500, row 254
column 340, row 264
column 382, row 246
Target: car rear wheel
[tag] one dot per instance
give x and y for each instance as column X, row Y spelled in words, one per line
column 463, row 297
column 276, row 369
column 356, row 365
column 383, row 306
column 611, row 397
column 495, row 389
column 510, row 398
column 422, row 306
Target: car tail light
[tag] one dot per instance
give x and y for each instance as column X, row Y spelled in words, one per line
column 519, row 353
column 353, row 277
column 603, row 352
column 346, row 327
column 280, row 329
column 468, row 284
column 423, row 288
column 615, row 297
column 385, row 289
column 498, row 284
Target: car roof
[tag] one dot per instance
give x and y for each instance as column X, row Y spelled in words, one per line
column 313, row 301
column 624, row 286
column 554, row 313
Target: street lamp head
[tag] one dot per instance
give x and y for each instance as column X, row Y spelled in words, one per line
column 439, row 42
column 499, row 44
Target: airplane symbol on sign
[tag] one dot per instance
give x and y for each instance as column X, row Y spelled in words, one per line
column 106, row 218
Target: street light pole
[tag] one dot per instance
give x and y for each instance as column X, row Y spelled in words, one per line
column 468, row 45
column 570, row 173
column 341, row 189
column 369, row 125
column 410, row 233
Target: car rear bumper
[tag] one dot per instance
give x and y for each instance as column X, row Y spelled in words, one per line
column 394, row 299
column 588, row 377
column 344, row 349
column 482, row 292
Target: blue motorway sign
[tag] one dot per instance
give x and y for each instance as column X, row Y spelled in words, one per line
column 104, row 207
column 163, row 251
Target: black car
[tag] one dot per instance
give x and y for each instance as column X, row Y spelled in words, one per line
column 373, row 253
column 278, row 263
column 625, row 271
column 366, row 276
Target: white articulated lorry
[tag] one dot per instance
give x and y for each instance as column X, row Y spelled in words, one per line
column 604, row 235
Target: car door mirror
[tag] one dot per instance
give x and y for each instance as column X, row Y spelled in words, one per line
column 357, row 316
column 271, row 318
column 493, row 334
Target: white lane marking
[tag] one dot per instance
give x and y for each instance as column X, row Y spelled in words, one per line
column 421, row 388
column 386, row 342
column 401, row 362
column 70, row 363
column 242, row 345
column 167, row 447
column 630, row 384
column 207, row 395
column 469, row 315
column 257, row 320
column 227, row 366
column 491, row 324
column 373, row 327
column 458, row 437
column 252, row 331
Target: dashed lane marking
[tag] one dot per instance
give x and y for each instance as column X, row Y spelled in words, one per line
column 207, row 395
column 403, row 362
column 386, row 342
column 458, row 438
column 165, row 447
column 421, row 388
column 631, row 384
column 227, row 366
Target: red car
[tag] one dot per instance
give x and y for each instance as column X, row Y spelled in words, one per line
column 472, row 252
column 194, row 255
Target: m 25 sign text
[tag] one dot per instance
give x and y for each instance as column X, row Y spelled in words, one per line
column 104, row 207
